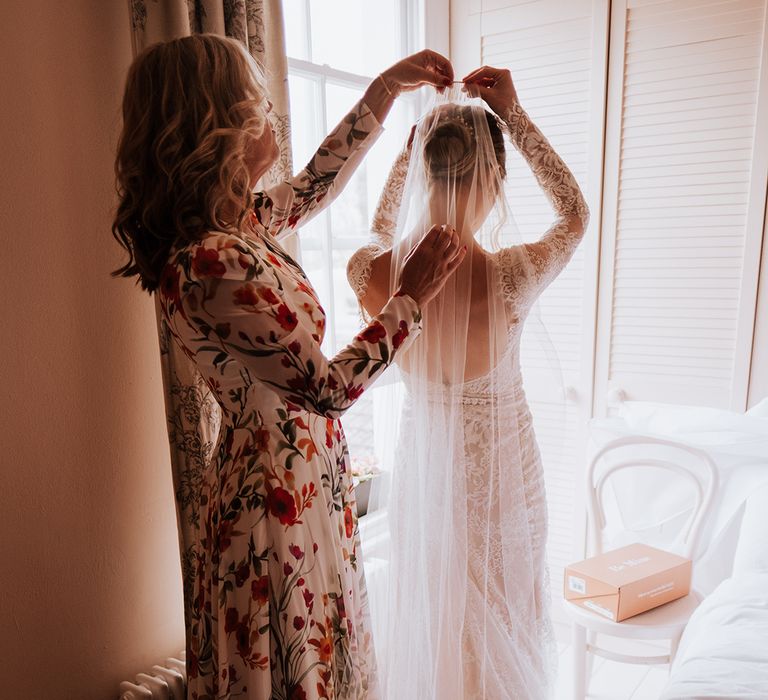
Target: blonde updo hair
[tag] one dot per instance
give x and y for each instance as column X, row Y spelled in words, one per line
column 450, row 146
column 191, row 108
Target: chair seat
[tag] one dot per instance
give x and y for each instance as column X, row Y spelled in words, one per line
column 663, row 622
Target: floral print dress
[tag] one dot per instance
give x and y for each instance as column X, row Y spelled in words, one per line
column 280, row 608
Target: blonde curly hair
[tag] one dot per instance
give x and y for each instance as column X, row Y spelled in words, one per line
column 192, row 108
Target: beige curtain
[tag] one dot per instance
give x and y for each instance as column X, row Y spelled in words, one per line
column 192, row 414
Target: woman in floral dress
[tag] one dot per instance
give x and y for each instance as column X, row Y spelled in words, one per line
column 280, row 608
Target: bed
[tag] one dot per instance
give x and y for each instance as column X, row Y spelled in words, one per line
column 724, row 650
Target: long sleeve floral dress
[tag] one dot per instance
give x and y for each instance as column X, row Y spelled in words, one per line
column 280, row 607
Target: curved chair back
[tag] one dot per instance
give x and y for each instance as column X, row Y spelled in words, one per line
column 702, row 479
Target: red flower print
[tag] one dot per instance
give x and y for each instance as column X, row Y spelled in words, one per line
column 298, row 623
column 273, row 260
column 262, row 439
column 241, row 575
column 400, row 335
column 231, row 620
column 293, row 220
column 374, row 333
column 206, row 263
column 244, row 261
column 295, row 347
column 243, row 636
column 296, row 551
column 281, row 505
column 193, row 666
column 246, row 295
column 260, row 590
column 225, row 534
column 268, row 295
column 333, row 144
column 349, row 523
column 302, row 287
column 287, row 569
column 297, row 693
column 354, row 392
column 324, row 646
column 309, row 597
column 286, row 318
column 169, row 283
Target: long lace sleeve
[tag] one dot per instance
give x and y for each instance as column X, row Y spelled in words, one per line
column 294, row 202
column 549, row 255
column 384, row 219
column 383, row 227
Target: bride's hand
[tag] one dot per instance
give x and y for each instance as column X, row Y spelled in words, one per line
column 494, row 85
column 422, row 68
column 430, row 263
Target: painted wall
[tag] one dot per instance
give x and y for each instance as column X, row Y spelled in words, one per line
column 90, row 589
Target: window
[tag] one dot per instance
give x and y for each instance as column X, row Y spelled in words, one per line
column 335, row 48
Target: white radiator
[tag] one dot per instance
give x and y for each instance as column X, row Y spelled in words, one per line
column 167, row 682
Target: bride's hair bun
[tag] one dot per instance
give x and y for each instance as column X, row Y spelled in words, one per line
column 450, row 146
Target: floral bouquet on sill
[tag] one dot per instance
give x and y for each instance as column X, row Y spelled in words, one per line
column 364, row 468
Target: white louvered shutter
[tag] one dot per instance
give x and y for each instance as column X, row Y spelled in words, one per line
column 683, row 201
column 556, row 52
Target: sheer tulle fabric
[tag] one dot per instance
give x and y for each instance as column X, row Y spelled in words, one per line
column 464, row 612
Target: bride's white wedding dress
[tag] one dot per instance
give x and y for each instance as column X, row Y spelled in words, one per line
column 505, row 642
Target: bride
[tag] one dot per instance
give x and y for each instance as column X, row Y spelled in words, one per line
column 465, row 613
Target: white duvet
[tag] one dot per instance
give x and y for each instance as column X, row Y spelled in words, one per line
column 724, row 651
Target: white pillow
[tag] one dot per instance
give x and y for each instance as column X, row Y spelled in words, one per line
column 752, row 550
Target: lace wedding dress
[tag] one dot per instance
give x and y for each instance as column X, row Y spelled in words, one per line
column 503, row 644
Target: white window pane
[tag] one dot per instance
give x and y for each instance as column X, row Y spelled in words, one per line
column 354, row 36
column 306, row 121
column 339, row 100
column 296, row 30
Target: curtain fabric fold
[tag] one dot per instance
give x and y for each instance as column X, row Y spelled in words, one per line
column 193, row 416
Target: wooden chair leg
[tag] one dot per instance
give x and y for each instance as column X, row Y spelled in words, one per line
column 579, row 644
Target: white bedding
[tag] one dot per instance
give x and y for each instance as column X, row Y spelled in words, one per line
column 724, row 651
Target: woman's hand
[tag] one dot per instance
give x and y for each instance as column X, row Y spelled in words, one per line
column 494, row 85
column 422, row 68
column 430, row 263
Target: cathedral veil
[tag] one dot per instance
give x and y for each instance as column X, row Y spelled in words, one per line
column 463, row 610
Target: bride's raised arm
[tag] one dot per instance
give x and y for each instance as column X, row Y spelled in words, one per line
column 549, row 255
column 383, row 227
column 385, row 217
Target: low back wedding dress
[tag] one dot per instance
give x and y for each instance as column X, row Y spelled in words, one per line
column 465, row 612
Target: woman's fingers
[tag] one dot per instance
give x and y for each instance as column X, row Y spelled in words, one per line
column 425, row 76
column 446, row 236
column 487, row 73
column 494, row 85
column 432, row 236
column 457, row 259
column 431, row 262
column 440, row 64
column 423, row 68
